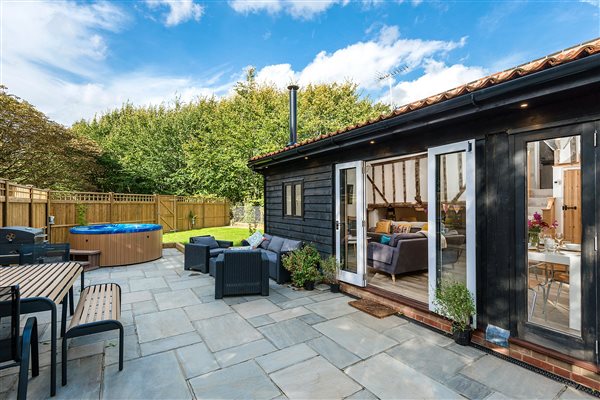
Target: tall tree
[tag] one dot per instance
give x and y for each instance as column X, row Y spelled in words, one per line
column 35, row 150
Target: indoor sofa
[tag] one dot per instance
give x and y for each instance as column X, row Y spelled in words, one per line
column 274, row 247
column 406, row 252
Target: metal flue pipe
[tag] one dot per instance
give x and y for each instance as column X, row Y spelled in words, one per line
column 293, row 114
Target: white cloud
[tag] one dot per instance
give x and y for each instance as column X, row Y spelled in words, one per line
column 298, row 9
column 437, row 78
column 179, row 10
column 54, row 56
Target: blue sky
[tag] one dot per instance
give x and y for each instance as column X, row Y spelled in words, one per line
column 75, row 59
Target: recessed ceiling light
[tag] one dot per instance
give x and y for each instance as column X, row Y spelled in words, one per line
column 306, row 158
column 372, row 142
column 524, row 105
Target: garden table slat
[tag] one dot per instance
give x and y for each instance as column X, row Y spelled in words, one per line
column 10, row 274
column 36, row 282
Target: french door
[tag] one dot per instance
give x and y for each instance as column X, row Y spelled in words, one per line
column 451, row 216
column 556, row 233
column 349, row 222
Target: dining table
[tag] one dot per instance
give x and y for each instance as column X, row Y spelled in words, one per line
column 43, row 287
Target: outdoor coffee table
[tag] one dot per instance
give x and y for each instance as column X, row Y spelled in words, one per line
column 42, row 287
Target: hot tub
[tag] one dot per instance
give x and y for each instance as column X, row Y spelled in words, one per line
column 119, row 244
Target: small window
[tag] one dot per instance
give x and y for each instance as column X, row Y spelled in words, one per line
column 292, row 192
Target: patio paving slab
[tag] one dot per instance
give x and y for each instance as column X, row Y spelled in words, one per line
column 284, row 358
column 357, row 338
column 314, row 379
column 131, row 350
column 295, row 303
column 162, row 324
column 207, row 310
column 134, row 297
column 255, row 308
column 241, row 381
column 377, row 324
column 333, row 352
column 332, row 308
column 176, row 299
column 260, row 320
column 516, row 383
column 245, row 352
column 226, row 331
column 388, row 378
column 154, row 377
column 289, row 313
column 468, row 387
column 137, row 285
column 362, row 395
column 196, row 360
column 144, row 307
column 169, row 343
column 288, row 333
column 434, row 361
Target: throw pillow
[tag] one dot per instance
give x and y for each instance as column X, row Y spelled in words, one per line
column 205, row 240
column 425, row 227
column 401, row 227
column 255, row 239
column 290, row 245
column 275, row 244
column 383, row 226
column 385, row 239
column 265, row 243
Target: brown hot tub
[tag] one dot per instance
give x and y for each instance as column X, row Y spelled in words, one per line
column 119, row 244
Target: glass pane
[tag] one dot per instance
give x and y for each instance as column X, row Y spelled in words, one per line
column 348, row 239
column 298, row 200
column 288, row 199
column 554, row 233
column 451, row 217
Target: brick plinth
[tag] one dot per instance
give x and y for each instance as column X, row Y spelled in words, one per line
column 584, row 373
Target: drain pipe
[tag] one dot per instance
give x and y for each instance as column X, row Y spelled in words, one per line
column 293, row 115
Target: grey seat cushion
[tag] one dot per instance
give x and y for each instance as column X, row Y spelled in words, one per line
column 271, row 256
column 290, row 245
column 405, row 236
column 216, row 252
column 205, row 240
column 275, row 244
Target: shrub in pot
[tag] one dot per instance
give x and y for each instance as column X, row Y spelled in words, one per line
column 454, row 301
column 303, row 265
column 329, row 269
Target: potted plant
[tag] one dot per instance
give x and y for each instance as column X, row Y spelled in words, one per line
column 454, row 301
column 303, row 266
column 329, row 269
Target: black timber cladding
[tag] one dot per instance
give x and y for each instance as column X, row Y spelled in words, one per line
column 316, row 225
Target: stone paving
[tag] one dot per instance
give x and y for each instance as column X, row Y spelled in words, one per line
column 181, row 343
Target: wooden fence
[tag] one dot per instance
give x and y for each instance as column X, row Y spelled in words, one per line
column 24, row 205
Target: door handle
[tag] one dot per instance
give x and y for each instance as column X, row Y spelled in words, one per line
column 337, row 225
column 565, row 208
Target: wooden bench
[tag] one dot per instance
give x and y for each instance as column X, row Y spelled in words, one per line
column 98, row 310
column 89, row 259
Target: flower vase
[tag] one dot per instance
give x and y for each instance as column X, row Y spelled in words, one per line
column 534, row 239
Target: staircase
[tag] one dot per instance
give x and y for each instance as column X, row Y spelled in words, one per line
column 538, row 201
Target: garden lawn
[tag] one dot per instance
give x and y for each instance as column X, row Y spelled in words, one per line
column 221, row 233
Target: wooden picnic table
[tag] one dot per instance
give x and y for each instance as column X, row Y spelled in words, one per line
column 42, row 287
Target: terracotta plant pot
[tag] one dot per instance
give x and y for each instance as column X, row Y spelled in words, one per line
column 462, row 337
column 309, row 285
column 335, row 287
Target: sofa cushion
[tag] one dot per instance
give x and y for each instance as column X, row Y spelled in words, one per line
column 216, row 252
column 383, row 226
column 385, row 239
column 255, row 239
column 290, row 245
column 205, row 240
column 275, row 244
column 271, row 256
column 265, row 243
column 401, row 227
column 381, row 253
column 405, row 236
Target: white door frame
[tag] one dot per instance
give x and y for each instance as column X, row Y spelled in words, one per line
column 357, row 278
column 468, row 147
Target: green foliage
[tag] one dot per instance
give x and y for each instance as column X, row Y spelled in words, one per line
column 204, row 146
column 81, row 210
column 303, row 265
column 329, row 269
column 37, row 151
column 234, row 235
column 455, row 301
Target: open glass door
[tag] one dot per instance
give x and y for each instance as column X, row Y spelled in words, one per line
column 349, row 226
column 451, row 216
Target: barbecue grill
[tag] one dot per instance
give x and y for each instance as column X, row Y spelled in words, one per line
column 11, row 239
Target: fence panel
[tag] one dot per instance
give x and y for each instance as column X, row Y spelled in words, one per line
column 25, row 205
